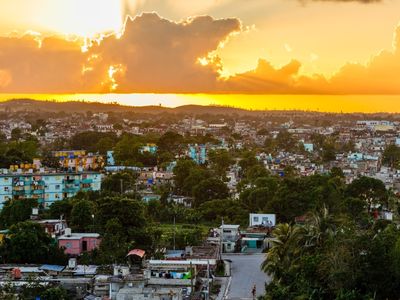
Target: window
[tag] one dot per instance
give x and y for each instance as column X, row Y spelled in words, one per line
column 255, row 219
column 6, row 189
column 84, row 245
column 68, row 245
column 57, row 187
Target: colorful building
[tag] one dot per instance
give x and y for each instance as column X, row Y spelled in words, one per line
column 77, row 243
column 46, row 187
column 151, row 148
column 198, row 153
column 75, row 160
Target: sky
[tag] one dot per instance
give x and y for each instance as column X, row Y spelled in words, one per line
column 215, row 47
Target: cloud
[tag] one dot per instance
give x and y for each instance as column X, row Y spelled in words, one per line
column 360, row 1
column 379, row 76
column 54, row 65
column 156, row 55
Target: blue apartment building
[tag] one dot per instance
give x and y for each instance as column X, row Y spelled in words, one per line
column 198, row 153
column 47, row 188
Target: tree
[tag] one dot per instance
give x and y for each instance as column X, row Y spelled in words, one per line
column 51, row 161
column 115, row 243
column 105, row 144
column 15, row 211
column 29, row 243
column 126, row 151
column 88, row 140
column 220, row 161
column 231, row 210
column 129, row 212
column 16, row 134
column 369, row 189
column 284, row 251
column 81, row 216
column 120, row 182
column 181, row 171
column 247, row 161
column 391, row 156
column 55, row 293
column 60, row 209
column 196, row 175
column 328, row 152
column 285, row 141
column 170, row 142
column 209, row 189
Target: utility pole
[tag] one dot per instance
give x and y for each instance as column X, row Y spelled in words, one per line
column 208, row 280
column 191, row 279
column 121, row 185
column 221, row 238
column 174, row 230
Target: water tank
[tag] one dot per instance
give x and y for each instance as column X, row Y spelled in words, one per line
column 68, row 232
column 72, row 263
column 125, row 271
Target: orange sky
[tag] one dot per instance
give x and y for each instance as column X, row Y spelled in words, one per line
column 295, row 47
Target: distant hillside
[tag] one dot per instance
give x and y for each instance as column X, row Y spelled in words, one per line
column 81, row 106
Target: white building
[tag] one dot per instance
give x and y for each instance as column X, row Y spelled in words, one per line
column 267, row 220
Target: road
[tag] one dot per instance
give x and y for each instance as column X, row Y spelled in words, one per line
column 245, row 273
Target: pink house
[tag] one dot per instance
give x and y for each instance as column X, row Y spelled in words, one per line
column 77, row 243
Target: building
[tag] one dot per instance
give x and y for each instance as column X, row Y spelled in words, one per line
column 74, row 160
column 46, row 187
column 198, row 153
column 230, row 238
column 77, row 243
column 265, row 220
column 151, row 148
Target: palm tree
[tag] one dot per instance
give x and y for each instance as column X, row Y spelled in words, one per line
column 285, row 250
column 320, row 228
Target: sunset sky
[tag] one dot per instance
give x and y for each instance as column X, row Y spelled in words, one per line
column 290, row 48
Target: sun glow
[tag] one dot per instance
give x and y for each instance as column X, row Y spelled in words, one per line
column 87, row 18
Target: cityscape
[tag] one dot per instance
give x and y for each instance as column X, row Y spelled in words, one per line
column 200, row 150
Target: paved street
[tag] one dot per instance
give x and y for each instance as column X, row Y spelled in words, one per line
column 245, row 273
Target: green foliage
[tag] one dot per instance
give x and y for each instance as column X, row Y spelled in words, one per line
column 127, row 152
column 81, row 216
column 15, row 211
column 333, row 258
column 286, row 142
column 391, row 156
column 29, row 243
column 17, row 152
column 170, row 142
column 56, row 293
column 220, row 161
column 89, row 140
column 182, row 171
column 119, row 182
column 369, row 189
column 231, row 210
column 209, row 189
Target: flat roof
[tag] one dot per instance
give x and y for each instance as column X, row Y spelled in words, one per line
column 182, row 262
column 227, row 226
column 47, row 174
column 75, row 236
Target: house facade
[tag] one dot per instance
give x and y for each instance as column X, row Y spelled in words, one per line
column 46, row 187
